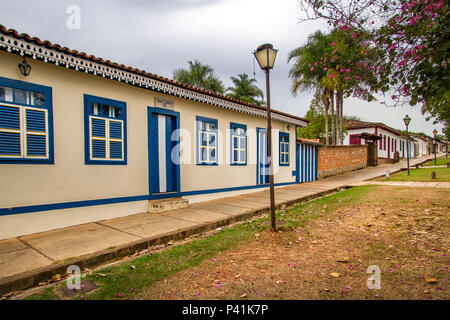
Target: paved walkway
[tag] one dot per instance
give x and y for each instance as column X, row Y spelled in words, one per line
column 26, row 260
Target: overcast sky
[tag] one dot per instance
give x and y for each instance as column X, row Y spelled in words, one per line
column 161, row 35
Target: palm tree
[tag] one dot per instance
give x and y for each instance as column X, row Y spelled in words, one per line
column 245, row 90
column 199, row 75
column 303, row 79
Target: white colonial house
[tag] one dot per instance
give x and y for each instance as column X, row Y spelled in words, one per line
column 391, row 140
column 84, row 139
column 421, row 145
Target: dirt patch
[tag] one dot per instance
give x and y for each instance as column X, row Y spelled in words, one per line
column 404, row 231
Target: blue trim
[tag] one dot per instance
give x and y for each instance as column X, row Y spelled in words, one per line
column 97, row 202
column 317, row 163
column 233, row 126
column 297, row 157
column 152, row 129
column 47, row 91
column 87, row 100
column 285, row 135
column 198, row 120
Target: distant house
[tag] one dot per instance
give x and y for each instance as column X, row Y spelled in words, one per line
column 391, row 140
column 422, row 145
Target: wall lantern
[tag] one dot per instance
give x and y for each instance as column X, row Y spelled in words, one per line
column 24, row 68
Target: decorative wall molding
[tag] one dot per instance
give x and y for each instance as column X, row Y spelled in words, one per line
column 38, row 52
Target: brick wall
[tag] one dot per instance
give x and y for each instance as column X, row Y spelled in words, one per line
column 341, row 159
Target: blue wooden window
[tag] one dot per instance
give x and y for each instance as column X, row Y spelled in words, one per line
column 206, row 141
column 238, row 137
column 105, row 131
column 26, row 122
column 284, row 149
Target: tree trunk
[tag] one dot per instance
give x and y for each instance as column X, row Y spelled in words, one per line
column 338, row 119
column 341, row 128
column 325, row 106
column 333, row 119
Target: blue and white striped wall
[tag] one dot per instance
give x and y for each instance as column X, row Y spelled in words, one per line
column 308, row 162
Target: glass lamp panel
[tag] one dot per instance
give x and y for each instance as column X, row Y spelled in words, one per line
column 272, row 56
column 261, row 56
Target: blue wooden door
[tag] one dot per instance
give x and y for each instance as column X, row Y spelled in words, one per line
column 163, row 155
column 262, row 166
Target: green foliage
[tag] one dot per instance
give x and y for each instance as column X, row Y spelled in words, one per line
column 200, row 76
column 245, row 90
column 316, row 117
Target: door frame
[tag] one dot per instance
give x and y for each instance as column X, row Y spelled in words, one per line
column 258, row 130
column 153, row 150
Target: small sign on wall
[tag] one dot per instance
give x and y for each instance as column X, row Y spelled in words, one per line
column 165, row 104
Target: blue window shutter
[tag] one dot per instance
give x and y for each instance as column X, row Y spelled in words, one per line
column 115, row 130
column 98, row 128
column 115, row 149
column 99, row 149
column 9, row 118
column 9, row 144
column 36, row 145
column 35, row 120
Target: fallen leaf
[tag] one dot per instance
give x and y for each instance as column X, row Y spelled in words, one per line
column 343, row 260
column 335, row 274
column 56, row 277
column 133, row 267
column 430, row 280
column 426, row 291
column 101, row 275
column 243, row 295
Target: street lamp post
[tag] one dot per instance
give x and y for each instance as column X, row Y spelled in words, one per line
column 407, row 120
column 265, row 55
column 434, row 134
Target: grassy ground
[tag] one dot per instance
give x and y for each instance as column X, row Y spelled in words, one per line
column 439, row 162
column 423, row 175
column 342, row 234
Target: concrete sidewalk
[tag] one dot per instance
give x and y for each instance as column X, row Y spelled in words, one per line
column 25, row 261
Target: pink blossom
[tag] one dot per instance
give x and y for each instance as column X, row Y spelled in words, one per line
column 354, row 35
column 325, row 69
column 316, row 63
column 333, row 43
column 311, row 69
column 331, row 76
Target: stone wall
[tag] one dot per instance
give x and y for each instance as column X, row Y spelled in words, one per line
column 341, row 159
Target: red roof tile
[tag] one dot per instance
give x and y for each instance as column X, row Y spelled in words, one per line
column 357, row 124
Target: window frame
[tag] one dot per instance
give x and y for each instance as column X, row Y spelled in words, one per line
column 234, row 126
column 198, row 121
column 47, row 108
column 88, row 138
column 281, row 135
